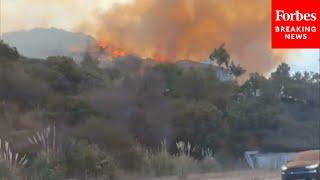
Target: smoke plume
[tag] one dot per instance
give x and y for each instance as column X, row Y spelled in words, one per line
column 190, row 29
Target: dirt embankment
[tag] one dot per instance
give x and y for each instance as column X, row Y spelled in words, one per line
column 233, row 175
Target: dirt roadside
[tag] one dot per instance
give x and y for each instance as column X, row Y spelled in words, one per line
column 234, row 175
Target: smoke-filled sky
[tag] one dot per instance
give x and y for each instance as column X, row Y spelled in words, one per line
column 177, row 29
column 66, row 14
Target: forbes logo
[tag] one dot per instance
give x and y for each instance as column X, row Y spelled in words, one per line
column 281, row 15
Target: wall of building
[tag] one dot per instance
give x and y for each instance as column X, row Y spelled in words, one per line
column 259, row 160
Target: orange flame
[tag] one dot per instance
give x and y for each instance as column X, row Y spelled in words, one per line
column 159, row 58
column 108, row 49
column 118, row 53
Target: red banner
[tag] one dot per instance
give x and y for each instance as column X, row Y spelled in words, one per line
column 295, row 23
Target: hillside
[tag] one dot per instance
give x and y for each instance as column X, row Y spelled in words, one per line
column 41, row 43
column 87, row 120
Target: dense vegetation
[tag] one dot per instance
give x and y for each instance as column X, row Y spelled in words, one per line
column 84, row 117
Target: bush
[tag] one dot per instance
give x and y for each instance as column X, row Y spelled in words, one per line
column 11, row 54
column 65, row 75
column 18, row 86
column 209, row 163
column 78, row 108
column 162, row 163
column 159, row 164
column 45, row 167
column 88, row 160
column 185, row 164
column 8, row 172
column 130, row 159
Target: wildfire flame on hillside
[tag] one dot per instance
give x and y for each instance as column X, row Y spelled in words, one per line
column 110, row 50
column 102, row 49
column 167, row 30
column 159, row 58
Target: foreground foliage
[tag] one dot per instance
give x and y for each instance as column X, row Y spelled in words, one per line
column 103, row 112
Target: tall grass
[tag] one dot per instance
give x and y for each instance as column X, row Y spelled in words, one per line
column 10, row 162
column 162, row 163
column 52, row 162
column 89, row 161
column 45, row 139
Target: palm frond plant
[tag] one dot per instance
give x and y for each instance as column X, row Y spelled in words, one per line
column 10, row 157
column 45, row 139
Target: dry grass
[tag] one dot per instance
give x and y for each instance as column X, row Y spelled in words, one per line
column 232, row 175
column 45, row 139
column 162, row 163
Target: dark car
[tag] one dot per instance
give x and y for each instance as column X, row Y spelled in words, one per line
column 305, row 165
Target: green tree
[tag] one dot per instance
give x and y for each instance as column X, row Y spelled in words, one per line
column 255, row 84
column 220, row 56
column 282, row 74
column 236, row 70
column 250, row 120
column 315, row 78
column 171, row 73
column 88, row 60
column 280, row 79
column 7, row 53
column 198, row 123
column 65, row 75
column 92, row 75
column 297, row 76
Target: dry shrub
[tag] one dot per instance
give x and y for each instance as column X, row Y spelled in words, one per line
column 88, row 160
column 159, row 164
column 162, row 163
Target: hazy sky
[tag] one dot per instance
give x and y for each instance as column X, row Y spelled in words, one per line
column 66, row 14
column 304, row 60
column 69, row 14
